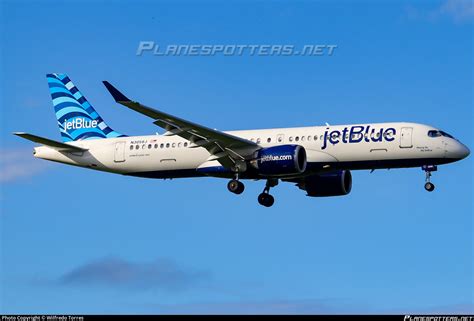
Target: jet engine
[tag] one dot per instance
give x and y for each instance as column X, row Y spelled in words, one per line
column 336, row 183
column 281, row 160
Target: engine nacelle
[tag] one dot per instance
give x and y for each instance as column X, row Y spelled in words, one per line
column 281, row 160
column 329, row 184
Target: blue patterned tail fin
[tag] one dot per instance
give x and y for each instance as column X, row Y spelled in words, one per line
column 77, row 119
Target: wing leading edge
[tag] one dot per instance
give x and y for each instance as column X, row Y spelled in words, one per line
column 225, row 148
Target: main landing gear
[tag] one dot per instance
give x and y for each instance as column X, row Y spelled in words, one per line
column 235, row 186
column 428, row 169
column 265, row 198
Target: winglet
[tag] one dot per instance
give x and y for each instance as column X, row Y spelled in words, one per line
column 116, row 94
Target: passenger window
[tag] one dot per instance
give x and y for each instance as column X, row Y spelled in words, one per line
column 302, row 138
column 179, row 144
column 280, row 139
column 156, row 146
column 131, row 147
column 137, row 147
column 269, row 140
column 186, row 144
column 173, row 145
column 258, row 140
column 162, row 145
column 149, row 146
column 290, row 139
column 167, row 145
column 297, row 138
column 321, row 137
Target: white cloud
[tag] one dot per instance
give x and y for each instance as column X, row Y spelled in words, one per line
column 17, row 164
column 459, row 10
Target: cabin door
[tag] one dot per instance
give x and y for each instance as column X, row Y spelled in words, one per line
column 406, row 137
column 119, row 152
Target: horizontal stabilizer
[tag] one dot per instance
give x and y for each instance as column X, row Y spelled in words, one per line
column 51, row 143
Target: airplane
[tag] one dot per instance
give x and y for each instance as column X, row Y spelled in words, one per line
column 317, row 159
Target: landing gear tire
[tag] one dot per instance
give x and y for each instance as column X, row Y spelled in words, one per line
column 266, row 200
column 429, row 186
column 429, row 169
column 235, row 186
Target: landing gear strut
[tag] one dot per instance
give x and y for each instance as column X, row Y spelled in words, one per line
column 235, row 186
column 428, row 169
column 265, row 198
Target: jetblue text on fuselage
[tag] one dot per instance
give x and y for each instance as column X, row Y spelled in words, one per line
column 357, row 134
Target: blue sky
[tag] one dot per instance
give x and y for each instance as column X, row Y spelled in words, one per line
column 77, row 241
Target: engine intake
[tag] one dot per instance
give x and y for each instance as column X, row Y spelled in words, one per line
column 329, row 184
column 281, row 160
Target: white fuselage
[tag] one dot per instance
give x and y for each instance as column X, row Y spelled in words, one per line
column 360, row 146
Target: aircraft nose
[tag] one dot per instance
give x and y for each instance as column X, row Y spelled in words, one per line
column 466, row 151
column 460, row 151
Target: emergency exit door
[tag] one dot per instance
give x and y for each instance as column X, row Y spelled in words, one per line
column 119, row 152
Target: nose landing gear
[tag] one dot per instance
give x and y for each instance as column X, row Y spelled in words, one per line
column 429, row 186
column 428, row 169
column 265, row 199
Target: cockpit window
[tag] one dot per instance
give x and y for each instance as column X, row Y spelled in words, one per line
column 438, row 133
column 434, row 133
column 446, row 134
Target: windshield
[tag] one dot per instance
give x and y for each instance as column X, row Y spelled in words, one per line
column 439, row 133
column 446, row 134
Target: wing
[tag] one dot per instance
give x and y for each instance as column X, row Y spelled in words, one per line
column 51, row 143
column 225, row 148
